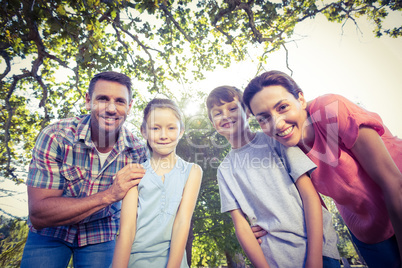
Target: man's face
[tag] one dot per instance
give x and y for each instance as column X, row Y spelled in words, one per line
column 229, row 119
column 109, row 105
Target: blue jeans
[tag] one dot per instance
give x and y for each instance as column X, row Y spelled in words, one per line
column 48, row 252
column 379, row 255
column 328, row 262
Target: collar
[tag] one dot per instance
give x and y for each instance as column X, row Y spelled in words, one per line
column 83, row 134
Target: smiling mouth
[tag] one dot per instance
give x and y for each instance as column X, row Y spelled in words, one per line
column 286, row 132
column 227, row 124
column 110, row 119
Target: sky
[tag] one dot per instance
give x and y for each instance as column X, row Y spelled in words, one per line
column 325, row 58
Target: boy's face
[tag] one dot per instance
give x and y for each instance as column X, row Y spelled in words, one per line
column 229, row 119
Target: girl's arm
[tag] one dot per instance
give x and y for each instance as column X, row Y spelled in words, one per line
column 375, row 159
column 181, row 225
column 128, row 227
column 247, row 239
column 313, row 215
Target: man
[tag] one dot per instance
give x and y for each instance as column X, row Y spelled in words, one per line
column 81, row 167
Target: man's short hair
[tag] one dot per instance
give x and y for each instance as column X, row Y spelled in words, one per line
column 223, row 94
column 113, row 77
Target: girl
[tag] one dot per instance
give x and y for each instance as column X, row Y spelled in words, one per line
column 158, row 213
column 358, row 160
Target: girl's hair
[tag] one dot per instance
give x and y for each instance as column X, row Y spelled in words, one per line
column 161, row 104
column 271, row 78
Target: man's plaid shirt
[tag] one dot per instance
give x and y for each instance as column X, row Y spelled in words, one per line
column 65, row 158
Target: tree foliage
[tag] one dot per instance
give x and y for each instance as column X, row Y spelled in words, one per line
column 13, row 235
column 50, row 49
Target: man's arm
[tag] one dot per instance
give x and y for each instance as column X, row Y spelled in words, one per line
column 247, row 239
column 182, row 221
column 314, row 222
column 48, row 208
column 375, row 159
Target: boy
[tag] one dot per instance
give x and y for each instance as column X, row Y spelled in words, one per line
column 262, row 180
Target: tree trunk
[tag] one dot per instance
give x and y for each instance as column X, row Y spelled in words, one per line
column 189, row 245
column 236, row 261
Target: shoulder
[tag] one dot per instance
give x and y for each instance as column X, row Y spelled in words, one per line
column 66, row 124
column 134, row 145
column 330, row 104
column 64, row 128
column 196, row 170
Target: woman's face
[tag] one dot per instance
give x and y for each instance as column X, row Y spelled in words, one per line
column 280, row 115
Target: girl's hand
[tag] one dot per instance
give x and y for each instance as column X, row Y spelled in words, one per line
column 258, row 233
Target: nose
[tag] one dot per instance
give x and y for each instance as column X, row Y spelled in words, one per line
column 111, row 107
column 225, row 114
column 163, row 134
column 280, row 122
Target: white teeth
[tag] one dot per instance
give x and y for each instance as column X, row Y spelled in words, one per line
column 286, row 132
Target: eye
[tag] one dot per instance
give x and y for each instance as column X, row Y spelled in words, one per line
column 263, row 119
column 102, row 98
column 216, row 114
column 233, row 109
column 283, row 107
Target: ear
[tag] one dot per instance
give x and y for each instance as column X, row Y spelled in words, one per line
column 302, row 100
column 181, row 134
column 129, row 107
column 87, row 102
column 248, row 113
column 143, row 133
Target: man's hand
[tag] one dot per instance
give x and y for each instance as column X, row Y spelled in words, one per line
column 258, row 232
column 125, row 179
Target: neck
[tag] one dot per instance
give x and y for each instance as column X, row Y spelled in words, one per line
column 306, row 142
column 242, row 139
column 103, row 143
column 163, row 164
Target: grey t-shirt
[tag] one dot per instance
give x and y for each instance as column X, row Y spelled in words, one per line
column 259, row 178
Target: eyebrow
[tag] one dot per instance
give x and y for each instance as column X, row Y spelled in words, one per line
column 276, row 105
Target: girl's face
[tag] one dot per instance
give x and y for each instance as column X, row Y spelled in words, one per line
column 280, row 114
column 162, row 131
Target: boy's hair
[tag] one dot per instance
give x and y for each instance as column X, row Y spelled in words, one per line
column 162, row 104
column 271, row 78
column 223, row 93
column 113, row 77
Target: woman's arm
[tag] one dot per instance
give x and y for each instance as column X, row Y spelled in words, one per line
column 313, row 215
column 375, row 159
column 247, row 239
column 181, row 225
column 128, row 227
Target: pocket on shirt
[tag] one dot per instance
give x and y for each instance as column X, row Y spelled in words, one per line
column 173, row 206
column 75, row 180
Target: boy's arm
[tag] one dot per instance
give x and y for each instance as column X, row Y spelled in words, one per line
column 181, row 225
column 128, row 227
column 247, row 239
column 314, row 222
column 375, row 159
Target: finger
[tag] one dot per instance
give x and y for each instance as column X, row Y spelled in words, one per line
column 260, row 233
column 256, row 228
column 135, row 166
